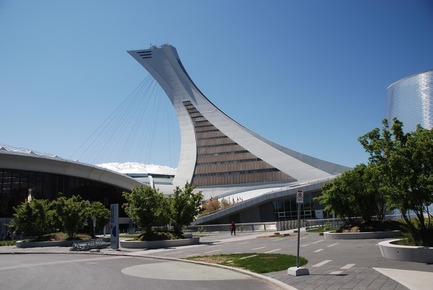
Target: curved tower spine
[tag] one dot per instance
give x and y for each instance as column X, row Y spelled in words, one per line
column 216, row 150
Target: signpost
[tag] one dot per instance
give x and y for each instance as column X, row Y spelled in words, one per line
column 299, row 203
column 297, row 271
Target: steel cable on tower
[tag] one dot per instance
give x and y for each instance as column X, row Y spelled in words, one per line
column 140, row 129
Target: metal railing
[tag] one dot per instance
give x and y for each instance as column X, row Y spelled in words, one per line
column 311, row 223
column 98, row 243
column 240, row 227
column 269, row 226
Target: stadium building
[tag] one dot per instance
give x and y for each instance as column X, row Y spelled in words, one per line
column 28, row 174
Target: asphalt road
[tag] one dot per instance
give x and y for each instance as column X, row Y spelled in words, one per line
column 313, row 247
column 80, row 271
column 333, row 264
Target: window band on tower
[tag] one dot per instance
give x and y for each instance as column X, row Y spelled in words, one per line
column 222, row 161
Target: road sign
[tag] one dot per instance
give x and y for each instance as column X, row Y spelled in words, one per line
column 300, row 196
column 114, row 224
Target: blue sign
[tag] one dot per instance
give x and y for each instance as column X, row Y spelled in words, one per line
column 114, row 226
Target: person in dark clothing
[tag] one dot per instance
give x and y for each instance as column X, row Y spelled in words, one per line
column 233, row 228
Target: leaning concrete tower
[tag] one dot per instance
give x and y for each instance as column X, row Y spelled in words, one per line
column 216, row 151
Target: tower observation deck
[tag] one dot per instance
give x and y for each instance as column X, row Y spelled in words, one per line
column 216, row 151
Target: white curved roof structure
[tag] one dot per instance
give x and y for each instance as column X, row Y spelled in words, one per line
column 24, row 159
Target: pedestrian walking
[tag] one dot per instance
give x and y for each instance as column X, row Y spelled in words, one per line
column 233, row 229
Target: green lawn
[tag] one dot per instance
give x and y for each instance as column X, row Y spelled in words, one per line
column 254, row 262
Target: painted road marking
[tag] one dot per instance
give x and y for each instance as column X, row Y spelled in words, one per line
column 259, row 248
column 217, row 250
column 271, row 251
column 99, row 259
column 408, row 278
column 319, row 250
column 172, row 253
column 247, row 257
column 331, row 245
column 348, row 266
column 336, row 273
column 322, row 263
column 317, row 241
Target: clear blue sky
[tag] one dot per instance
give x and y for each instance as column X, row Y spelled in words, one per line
column 309, row 75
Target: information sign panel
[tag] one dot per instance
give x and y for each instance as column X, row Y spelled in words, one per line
column 300, row 196
column 114, row 225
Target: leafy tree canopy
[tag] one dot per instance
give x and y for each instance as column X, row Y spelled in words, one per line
column 405, row 164
column 96, row 210
column 353, row 194
column 71, row 213
column 186, row 206
column 33, row 217
column 145, row 207
column 399, row 175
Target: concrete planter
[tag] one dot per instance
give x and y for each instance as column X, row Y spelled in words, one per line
column 419, row 254
column 362, row 235
column 131, row 244
column 23, row 244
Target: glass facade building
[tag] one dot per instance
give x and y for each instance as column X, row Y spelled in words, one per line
column 411, row 101
column 16, row 184
column 287, row 209
column 26, row 173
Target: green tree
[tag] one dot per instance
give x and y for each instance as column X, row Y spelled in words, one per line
column 98, row 211
column 186, row 206
column 145, row 207
column 355, row 193
column 165, row 217
column 338, row 199
column 404, row 162
column 71, row 214
column 373, row 186
column 34, row 217
column 362, row 183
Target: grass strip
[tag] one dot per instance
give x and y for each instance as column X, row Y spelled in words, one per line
column 7, row 243
column 254, row 262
